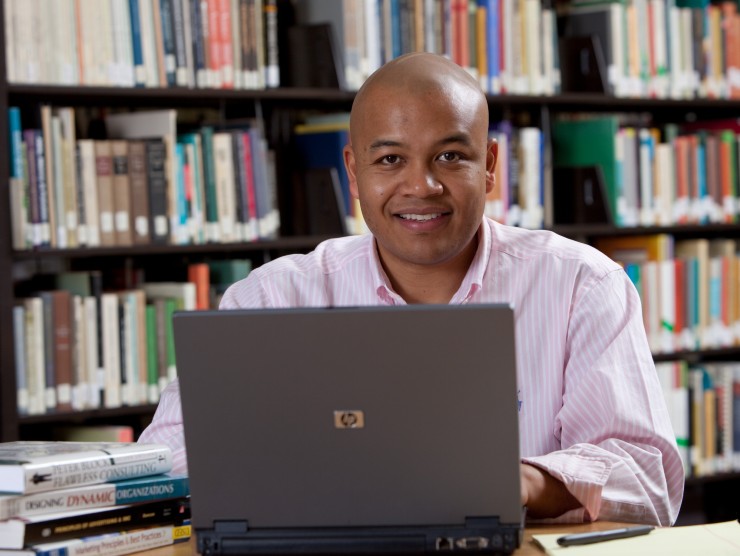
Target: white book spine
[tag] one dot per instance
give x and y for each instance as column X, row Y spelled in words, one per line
column 111, row 350
column 148, row 46
column 35, row 356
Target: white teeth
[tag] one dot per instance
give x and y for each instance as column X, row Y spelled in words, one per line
column 420, row 217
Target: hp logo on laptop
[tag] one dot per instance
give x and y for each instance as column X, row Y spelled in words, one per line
column 349, row 419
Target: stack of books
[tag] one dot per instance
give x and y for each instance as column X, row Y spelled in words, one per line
column 68, row 498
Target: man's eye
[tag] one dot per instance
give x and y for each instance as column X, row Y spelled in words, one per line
column 449, row 157
column 389, row 159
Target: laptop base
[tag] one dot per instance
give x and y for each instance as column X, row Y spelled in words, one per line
column 478, row 535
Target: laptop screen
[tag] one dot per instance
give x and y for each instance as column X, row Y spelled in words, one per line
column 350, row 417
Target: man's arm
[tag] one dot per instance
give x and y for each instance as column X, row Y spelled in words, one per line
column 544, row 495
column 618, row 455
column 166, row 427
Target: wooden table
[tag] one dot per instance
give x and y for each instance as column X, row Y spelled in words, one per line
column 528, row 548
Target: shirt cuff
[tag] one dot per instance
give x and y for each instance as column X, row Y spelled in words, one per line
column 583, row 476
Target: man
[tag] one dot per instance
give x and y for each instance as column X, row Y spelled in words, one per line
column 596, row 441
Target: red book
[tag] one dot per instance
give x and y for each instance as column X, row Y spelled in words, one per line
column 198, row 274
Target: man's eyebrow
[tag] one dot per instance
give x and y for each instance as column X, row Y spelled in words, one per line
column 462, row 138
column 381, row 143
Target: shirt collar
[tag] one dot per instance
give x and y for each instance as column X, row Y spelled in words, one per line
column 472, row 282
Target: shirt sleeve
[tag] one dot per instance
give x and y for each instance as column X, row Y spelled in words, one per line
column 618, row 453
column 166, row 427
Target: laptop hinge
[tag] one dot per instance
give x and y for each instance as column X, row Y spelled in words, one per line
column 230, row 526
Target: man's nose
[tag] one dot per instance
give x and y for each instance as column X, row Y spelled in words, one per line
column 421, row 181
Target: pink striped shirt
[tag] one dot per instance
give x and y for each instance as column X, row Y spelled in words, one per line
column 592, row 411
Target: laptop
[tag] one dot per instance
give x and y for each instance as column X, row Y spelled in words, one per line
column 351, row 430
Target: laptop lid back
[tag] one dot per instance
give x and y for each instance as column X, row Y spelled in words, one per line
column 350, row 417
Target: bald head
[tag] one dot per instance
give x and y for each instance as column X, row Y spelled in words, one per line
column 419, row 74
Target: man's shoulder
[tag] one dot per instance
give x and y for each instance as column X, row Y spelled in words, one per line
column 526, row 244
column 329, row 256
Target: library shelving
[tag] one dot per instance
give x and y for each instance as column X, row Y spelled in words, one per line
column 279, row 109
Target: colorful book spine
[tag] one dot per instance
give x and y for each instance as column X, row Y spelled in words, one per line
column 132, row 491
column 118, row 544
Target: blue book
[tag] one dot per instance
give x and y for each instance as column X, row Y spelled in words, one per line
column 324, row 150
column 493, row 36
column 16, row 142
column 138, row 54
column 396, row 28
column 181, row 222
column 702, row 195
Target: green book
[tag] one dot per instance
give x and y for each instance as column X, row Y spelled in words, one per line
column 209, row 176
column 225, row 273
column 152, row 356
column 590, row 142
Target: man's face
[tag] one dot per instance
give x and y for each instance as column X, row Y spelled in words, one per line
column 421, row 165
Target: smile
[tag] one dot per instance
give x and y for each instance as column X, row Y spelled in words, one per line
column 420, row 217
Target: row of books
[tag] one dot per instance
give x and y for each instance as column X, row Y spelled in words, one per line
column 704, row 406
column 661, row 48
column 642, row 48
column 143, row 43
column 518, row 197
column 687, row 174
column 92, row 498
column 79, row 346
column 145, row 184
column 509, row 46
column 690, row 289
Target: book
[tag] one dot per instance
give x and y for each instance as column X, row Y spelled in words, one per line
column 112, row 544
column 93, row 433
column 36, row 466
column 130, row 491
column 121, row 193
column 104, row 180
column 139, row 185
column 590, row 142
column 19, row 532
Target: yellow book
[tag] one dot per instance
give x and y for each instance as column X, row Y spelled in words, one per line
column 637, row 249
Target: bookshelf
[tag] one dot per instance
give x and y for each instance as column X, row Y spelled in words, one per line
column 279, row 109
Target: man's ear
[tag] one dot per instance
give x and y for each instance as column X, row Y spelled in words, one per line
column 491, row 159
column 351, row 165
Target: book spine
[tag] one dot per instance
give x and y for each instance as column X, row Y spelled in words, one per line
column 178, row 29
column 137, row 52
column 99, row 468
column 96, row 496
column 139, row 192
column 121, row 193
column 240, row 188
column 272, row 63
column 121, row 543
column 156, row 153
column 166, row 8
column 119, row 519
column 50, row 394
column 198, row 46
column 21, row 370
column 152, row 354
column 40, row 162
column 63, row 362
column 213, row 230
